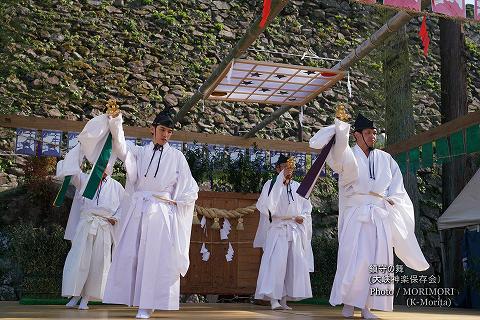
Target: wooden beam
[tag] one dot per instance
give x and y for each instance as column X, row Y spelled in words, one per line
column 14, row 121
column 250, row 37
column 443, row 130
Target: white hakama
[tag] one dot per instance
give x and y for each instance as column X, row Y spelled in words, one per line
column 287, row 259
column 88, row 261
column 369, row 227
column 154, row 234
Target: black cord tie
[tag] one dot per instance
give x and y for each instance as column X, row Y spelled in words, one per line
column 155, row 148
column 100, row 188
column 289, row 192
column 371, row 164
column 158, row 163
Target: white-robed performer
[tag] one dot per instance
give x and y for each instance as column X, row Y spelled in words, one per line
column 91, row 222
column 284, row 233
column 156, row 222
column 375, row 216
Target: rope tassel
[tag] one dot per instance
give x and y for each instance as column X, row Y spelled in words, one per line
column 216, row 223
column 240, row 225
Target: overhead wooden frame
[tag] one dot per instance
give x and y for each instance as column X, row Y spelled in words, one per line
column 263, row 82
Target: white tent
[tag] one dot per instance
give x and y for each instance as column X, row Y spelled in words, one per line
column 465, row 209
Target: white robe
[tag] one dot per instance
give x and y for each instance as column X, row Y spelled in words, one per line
column 74, row 216
column 368, row 226
column 154, row 235
column 88, row 261
column 287, row 258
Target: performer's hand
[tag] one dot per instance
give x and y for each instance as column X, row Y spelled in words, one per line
column 299, row 219
column 287, row 172
column 112, row 221
column 116, row 114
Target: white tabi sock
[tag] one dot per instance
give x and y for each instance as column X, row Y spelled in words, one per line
column 83, row 304
column 366, row 314
column 73, row 302
column 144, row 313
column 275, row 305
column 283, row 303
column 347, row 311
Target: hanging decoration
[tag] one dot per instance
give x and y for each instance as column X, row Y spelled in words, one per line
column 253, row 81
column 51, row 140
column 205, row 253
column 452, row 8
column 72, row 140
column 349, row 85
column 440, row 151
column 424, row 35
column 230, row 253
column 25, row 141
column 265, row 12
column 225, row 231
column 414, row 5
column 216, row 223
column 240, row 226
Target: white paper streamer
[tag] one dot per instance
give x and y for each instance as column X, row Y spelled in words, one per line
column 225, row 231
column 230, row 253
column 205, row 253
column 349, row 85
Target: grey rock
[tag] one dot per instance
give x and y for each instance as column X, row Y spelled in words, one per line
column 220, row 5
column 170, row 100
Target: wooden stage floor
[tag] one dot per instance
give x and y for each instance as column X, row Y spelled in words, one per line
column 13, row 310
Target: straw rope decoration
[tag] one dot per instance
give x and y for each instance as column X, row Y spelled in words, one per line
column 216, row 214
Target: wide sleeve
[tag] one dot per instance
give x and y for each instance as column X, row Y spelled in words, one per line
column 261, row 202
column 71, row 166
column 307, row 215
column 340, row 158
column 119, row 145
column 272, row 201
column 126, row 151
column 402, row 222
column 263, row 223
column 185, row 194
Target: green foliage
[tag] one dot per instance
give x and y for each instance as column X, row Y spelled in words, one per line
column 225, row 173
column 245, row 175
column 197, row 158
column 147, row 2
column 218, row 26
column 326, row 187
column 166, row 18
column 325, row 259
column 40, row 254
column 33, row 201
column 341, row 42
column 473, row 47
column 5, row 163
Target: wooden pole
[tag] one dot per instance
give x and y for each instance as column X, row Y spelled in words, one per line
column 14, row 121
